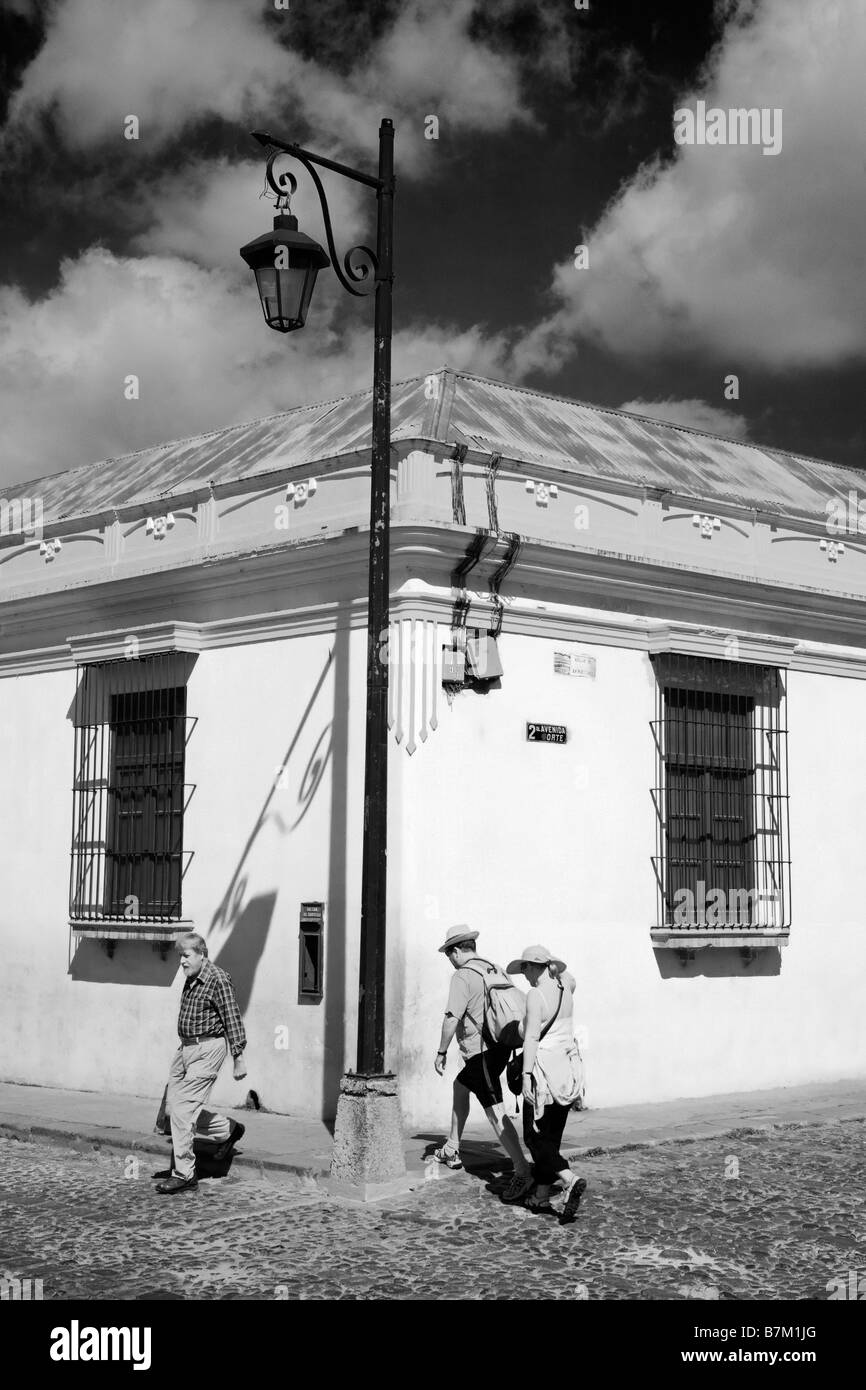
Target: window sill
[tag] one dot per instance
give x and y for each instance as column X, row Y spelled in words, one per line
column 696, row 938
column 124, row 930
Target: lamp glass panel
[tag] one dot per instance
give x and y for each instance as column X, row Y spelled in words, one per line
column 266, row 278
column 285, row 293
column 291, row 284
column 312, row 273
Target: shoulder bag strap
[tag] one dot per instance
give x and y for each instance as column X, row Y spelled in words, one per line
column 550, row 1022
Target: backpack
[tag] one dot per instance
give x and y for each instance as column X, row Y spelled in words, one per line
column 504, row 1004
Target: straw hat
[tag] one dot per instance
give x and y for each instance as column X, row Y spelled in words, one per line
column 459, row 933
column 534, row 955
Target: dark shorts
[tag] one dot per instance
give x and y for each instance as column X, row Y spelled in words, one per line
column 488, row 1088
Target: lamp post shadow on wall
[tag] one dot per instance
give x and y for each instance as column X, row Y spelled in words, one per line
column 368, row 1136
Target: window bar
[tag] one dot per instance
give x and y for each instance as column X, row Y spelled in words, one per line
column 96, row 794
column 157, row 729
column 97, row 783
column 181, row 796
column 152, row 735
column 79, row 803
column 115, row 702
column 76, row 802
column 161, row 798
column 147, row 839
column 88, row 793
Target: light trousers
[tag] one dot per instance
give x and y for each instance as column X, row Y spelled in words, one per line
column 191, row 1077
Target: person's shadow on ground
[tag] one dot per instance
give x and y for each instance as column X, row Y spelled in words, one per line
column 481, row 1160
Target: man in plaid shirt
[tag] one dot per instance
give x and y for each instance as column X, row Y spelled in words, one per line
column 209, row 1025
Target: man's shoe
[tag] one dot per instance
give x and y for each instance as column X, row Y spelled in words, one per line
column 236, row 1133
column 163, row 1173
column 572, row 1201
column 172, row 1185
column 518, row 1187
column 450, row 1157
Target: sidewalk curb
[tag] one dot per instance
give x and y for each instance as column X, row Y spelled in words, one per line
column 128, row 1142
column 24, row 1129
column 728, row 1132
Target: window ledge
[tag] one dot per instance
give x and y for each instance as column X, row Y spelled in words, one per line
column 695, row 938
column 124, row 930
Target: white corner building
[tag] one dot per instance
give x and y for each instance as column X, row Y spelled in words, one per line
column 626, row 665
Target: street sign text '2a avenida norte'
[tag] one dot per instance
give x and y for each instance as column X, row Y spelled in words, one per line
column 545, row 733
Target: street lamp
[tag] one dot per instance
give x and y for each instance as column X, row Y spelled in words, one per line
column 368, row 1141
column 285, row 263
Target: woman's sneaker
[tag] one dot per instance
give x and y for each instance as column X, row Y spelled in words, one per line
column 572, row 1200
column 450, row 1157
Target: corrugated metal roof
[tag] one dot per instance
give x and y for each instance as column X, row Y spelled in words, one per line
column 630, row 449
column 523, row 425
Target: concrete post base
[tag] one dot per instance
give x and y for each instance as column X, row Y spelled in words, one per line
column 368, row 1159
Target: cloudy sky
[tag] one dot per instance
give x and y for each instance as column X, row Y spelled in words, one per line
column 555, row 129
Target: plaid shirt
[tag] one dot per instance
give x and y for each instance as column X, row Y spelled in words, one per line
column 208, row 1008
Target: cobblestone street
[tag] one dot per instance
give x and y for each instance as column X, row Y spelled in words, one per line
column 659, row 1223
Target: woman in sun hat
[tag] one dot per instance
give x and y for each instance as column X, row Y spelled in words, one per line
column 552, row 1078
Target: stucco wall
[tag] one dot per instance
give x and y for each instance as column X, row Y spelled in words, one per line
column 547, row 843
column 69, row 1015
column 527, row 842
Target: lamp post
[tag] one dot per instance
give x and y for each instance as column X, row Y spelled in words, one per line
column 368, row 1135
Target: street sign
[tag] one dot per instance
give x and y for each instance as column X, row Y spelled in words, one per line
column 546, row 733
column 574, row 664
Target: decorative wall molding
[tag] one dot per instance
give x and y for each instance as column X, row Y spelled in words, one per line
column 413, row 680
column 544, row 491
column 158, row 526
column 708, row 524
column 302, row 491
column 416, row 658
column 35, row 662
column 833, row 548
column 135, row 642
column 722, row 643
column 627, row 530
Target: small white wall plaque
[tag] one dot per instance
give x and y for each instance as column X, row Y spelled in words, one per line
column 574, row 664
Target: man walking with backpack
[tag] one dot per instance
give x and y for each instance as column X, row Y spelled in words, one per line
column 484, row 1012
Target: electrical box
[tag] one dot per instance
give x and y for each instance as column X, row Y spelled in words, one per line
column 453, row 666
column 311, row 955
column 482, row 655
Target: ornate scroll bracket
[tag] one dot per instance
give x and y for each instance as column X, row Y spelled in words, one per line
column 360, row 266
column 48, row 549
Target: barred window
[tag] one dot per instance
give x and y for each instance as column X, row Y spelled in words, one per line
column 721, row 795
column 129, row 794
